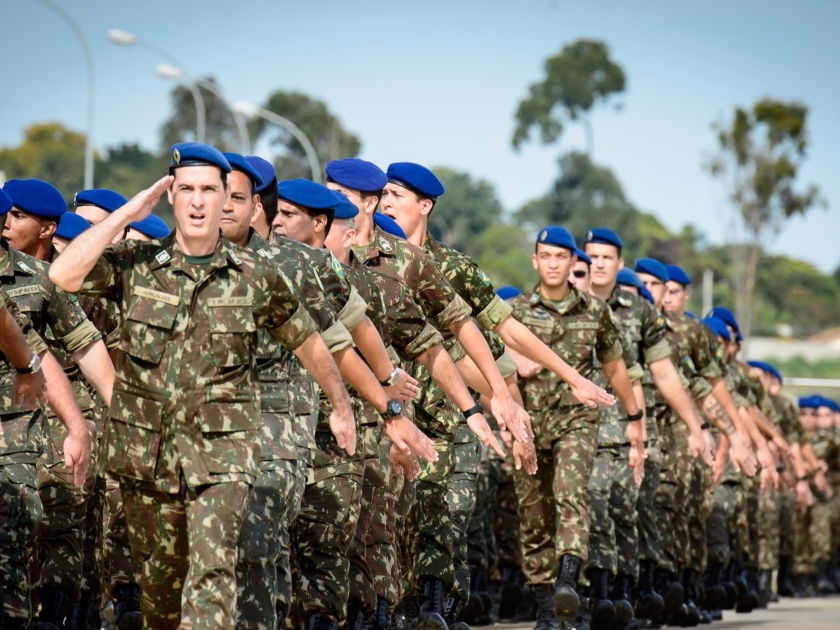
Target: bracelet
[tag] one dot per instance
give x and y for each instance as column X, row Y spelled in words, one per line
column 477, row 408
column 392, row 378
column 635, row 416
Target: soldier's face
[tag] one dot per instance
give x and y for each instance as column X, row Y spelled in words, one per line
column 655, row 286
column 239, row 209
column 553, row 264
column 197, row 196
column 24, row 231
column 405, row 207
column 366, row 203
column 808, row 418
column 825, row 418
column 676, row 297
column 606, row 261
column 340, row 239
column 94, row 214
column 580, row 276
column 774, row 386
column 293, row 222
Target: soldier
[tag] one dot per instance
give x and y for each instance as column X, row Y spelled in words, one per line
column 150, row 228
column 580, row 273
column 554, row 503
column 265, row 204
column 184, row 399
column 69, row 227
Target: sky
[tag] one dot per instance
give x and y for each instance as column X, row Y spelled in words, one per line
column 438, row 83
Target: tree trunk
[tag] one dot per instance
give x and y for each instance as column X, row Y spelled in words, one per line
column 746, row 291
column 590, row 139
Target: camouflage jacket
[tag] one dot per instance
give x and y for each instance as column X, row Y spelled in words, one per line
column 185, row 396
column 693, row 354
column 788, row 418
column 579, row 329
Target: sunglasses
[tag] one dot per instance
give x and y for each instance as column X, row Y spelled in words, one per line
column 580, row 273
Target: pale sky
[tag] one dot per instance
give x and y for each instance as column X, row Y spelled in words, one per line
column 438, row 83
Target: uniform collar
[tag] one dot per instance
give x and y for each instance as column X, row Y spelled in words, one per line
column 620, row 297
column 11, row 261
column 378, row 246
column 170, row 253
column 562, row 307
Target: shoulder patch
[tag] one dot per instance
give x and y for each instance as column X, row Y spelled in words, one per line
column 337, row 266
column 25, row 268
column 484, row 277
column 234, row 257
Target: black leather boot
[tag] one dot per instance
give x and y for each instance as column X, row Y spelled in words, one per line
column 601, row 605
column 451, row 613
column 382, row 616
column 127, row 615
column 729, row 586
column 620, row 595
column 83, row 615
column 692, row 612
column 649, row 603
column 824, row 584
column 566, row 597
column 54, row 605
column 785, row 578
column 546, row 615
column 355, row 615
column 672, row 592
column 715, row 592
column 431, row 605
column 764, row 587
column 510, row 592
column 748, row 598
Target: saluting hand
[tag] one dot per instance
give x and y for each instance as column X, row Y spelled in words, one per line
column 140, row 205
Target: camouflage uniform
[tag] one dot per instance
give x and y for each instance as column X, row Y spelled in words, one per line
column 182, row 435
column 554, row 503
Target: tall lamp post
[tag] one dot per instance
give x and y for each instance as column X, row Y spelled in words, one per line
column 77, row 31
column 124, row 38
column 250, row 110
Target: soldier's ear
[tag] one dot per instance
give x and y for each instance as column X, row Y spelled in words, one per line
column 534, row 262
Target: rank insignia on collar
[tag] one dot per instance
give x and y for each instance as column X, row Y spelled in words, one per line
column 162, row 256
column 234, row 258
column 24, row 267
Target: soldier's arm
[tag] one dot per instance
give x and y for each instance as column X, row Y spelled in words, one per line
column 29, row 388
column 96, row 366
column 720, row 408
column 71, row 268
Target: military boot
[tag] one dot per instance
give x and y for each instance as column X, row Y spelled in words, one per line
column 824, row 585
column 54, row 604
column 764, row 587
column 672, row 593
column 649, row 603
column 730, row 589
column 431, row 605
column 546, row 613
column 715, row 592
column 601, row 606
column 784, row 580
column 451, row 612
column 566, row 598
column 748, row 595
column 692, row 612
column 83, row 614
column 321, row 622
column 127, row 615
column 510, row 592
column 355, row 615
column 382, row 617
column 620, row 595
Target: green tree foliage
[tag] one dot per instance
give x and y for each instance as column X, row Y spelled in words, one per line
column 220, row 124
column 760, row 152
column 504, row 253
column 581, row 76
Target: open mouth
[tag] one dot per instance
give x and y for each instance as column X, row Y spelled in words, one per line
column 196, row 218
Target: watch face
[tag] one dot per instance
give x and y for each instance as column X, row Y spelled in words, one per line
column 394, row 407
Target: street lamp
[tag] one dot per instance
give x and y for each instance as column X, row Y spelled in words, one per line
column 250, row 110
column 124, row 38
column 77, row 31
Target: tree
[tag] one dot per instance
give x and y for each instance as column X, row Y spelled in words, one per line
column 579, row 77
column 467, row 209
column 220, row 124
column 760, row 152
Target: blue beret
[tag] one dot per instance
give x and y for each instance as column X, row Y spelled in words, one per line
column 727, row 316
column 357, row 174
column 36, row 196
column 833, row 405
column 507, row 293
column 717, row 326
column 264, row 168
column 308, row 194
column 237, row 161
column 678, row 274
column 387, row 224
column 5, row 202
column 71, row 225
column 582, row 256
column 653, row 267
column 108, row 200
column 769, row 368
column 628, row 278
column 604, row 236
column 643, row 291
column 416, row 177
column 344, row 208
column 152, row 226
column 809, row 402
column 197, row 154
column 557, row 236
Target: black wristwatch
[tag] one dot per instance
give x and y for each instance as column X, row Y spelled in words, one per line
column 393, row 409
column 476, row 408
column 636, row 416
column 393, row 377
column 33, row 366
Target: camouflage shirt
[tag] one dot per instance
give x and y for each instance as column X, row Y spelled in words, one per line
column 579, row 329
column 185, row 396
column 788, row 417
column 693, row 353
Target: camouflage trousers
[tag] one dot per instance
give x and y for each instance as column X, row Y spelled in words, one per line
column 722, row 541
column 769, row 507
column 697, row 511
column 613, row 494
column 672, row 495
column 506, row 524
column 20, row 514
column 461, row 490
column 554, row 503
column 186, row 546
column 119, row 566
column 747, row 521
column 813, row 536
column 263, row 560
column 787, row 519
column 481, row 538
column 647, row 526
column 323, row 532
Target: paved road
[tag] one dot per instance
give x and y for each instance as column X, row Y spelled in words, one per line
column 789, row 614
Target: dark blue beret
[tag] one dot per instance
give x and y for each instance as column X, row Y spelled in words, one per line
column 71, row 225
column 557, row 236
column 653, row 267
column 36, row 196
column 643, row 291
column 357, row 174
column 809, row 402
column 265, row 169
column 5, row 202
column 582, row 256
column 769, row 368
column 308, row 194
column 197, row 154
column 416, row 177
column 605, row 236
column 344, row 208
column 237, row 161
column 628, row 278
column 717, row 326
column 678, row 274
column 728, row 317
column 387, row 224
column 507, row 293
column 108, row 200
column 832, row 404
column 152, row 226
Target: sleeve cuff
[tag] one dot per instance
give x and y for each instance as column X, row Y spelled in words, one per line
column 494, row 313
column 657, row 351
column 426, row 338
column 353, row 310
column 455, row 311
column 295, row 330
column 337, row 337
column 80, row 337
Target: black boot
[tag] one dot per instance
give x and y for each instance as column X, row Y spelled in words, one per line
column 83, row 615
column 510, row 592
column 672, row 593
column 546, row 615
column 715, row 592
column 748, row 597
column 730, row 588
column 764, row 588
column 355, row 615
column 382, row 616
column 451, row 613
column 127, row 615
column 602, row 607
column 321, row 622
column 824, row 584
column 620, row 595
column 784, row 580
column 431, row 604
column 692, row 612
column 54, row 604
column 649, row 603
column 566, row 598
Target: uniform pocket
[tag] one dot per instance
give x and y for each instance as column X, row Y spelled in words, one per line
column 148, row 326
column 231, row 437
column 132, row 437
column 232, row 334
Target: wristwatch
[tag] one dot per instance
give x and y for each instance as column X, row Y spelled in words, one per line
column 393, row 377
column 393, row 409
column 33, row 366
column 477, row 408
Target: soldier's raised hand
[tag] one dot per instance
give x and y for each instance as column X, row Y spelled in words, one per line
column 140, row 205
